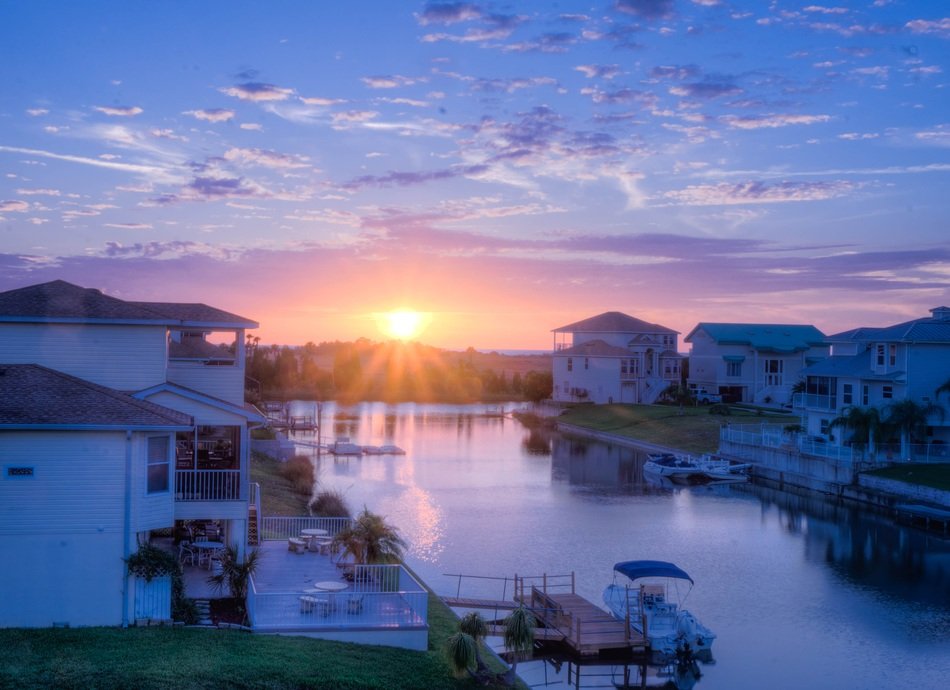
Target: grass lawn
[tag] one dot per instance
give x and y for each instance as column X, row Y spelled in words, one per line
column 189, row 658
column 933, row 475
column 277, row 493
column 690, row 429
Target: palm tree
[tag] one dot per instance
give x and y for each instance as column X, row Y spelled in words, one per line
column 910, row 417
column 235, row 575
column 943, row 388
column 864, row 423
column 678, row 394
column 371, row 540
column 519, row 636
column 462, row 652
column 474, row 625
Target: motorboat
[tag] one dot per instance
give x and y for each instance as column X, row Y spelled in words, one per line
column 686, row 469
column 343, row 446
column 644, row 599
column 391, row 450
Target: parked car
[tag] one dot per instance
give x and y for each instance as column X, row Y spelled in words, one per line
column 704, row 397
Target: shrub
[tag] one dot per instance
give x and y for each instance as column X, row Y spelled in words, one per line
column 330, row 503
column 299, row 472
column 720, row 409
column 263, row 434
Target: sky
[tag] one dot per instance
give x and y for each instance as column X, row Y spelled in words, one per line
column 506, row 168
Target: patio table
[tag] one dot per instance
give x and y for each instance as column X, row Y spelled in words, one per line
column 210, row 546
column 331, row 587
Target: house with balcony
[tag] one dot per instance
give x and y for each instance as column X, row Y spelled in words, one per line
column 117, row 418
column 875, row 367
column 752, row 362
column 614, row 358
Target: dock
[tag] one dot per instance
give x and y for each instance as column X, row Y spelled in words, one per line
column 928, row 517
column 563, row 615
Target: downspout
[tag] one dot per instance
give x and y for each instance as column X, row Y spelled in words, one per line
column 126, row 526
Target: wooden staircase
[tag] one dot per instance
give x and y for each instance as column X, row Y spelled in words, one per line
column 253, row 538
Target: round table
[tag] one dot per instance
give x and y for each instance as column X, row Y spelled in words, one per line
column 331, row 586
column 211, row 546
column 314, row 532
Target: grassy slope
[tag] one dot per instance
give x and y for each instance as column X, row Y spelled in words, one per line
column 277, row 494
column 691, row 429
column 936, row 476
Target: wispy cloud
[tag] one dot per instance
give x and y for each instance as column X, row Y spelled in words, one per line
column 267, row 159
column 14, row 205
column 119, row 110
column 155, row 172
column 599, row 71
column 257, row 91
column 390, row 81
column 211, row 114
column 38, row 192
column 646, row 9
column 772, row 121
column 759, row 193
column 129, row 226
column 37, row 112
column 940, row 27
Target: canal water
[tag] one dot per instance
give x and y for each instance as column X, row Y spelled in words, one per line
column 802, row 591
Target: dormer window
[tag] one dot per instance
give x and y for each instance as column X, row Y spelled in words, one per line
column 892, row 355
column 880, row 355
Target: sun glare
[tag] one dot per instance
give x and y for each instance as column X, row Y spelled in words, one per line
column 403, row 324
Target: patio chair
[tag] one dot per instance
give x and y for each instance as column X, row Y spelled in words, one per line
column 354, row 604
column 186, row 553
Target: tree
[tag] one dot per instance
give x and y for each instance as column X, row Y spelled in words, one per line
column 910, row 418
column 943, row 388
column 538, row 385
column 461, row 651
column 864, row 423
column 370, row 540
column 519, row 637
column 678, row 394
column 235, row 575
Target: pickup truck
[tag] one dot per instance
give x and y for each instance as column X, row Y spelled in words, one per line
column 704, row 397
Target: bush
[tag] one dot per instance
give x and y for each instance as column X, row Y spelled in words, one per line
column 720, row 409
column 330, row 503
column 263, row 434
column 299, row 472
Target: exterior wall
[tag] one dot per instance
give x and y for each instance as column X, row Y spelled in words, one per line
column 223, row 382
column 63, row 528
column 601, row 378
column 121, row 357
column 157, row 510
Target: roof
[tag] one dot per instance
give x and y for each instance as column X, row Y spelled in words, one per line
column 62, row 302
column 594, row 348
column 638, row 569
column 32, row 395
column 247, row 411
column 764, row 337
column 931, row 329
column 851, row 366
column 613, row 322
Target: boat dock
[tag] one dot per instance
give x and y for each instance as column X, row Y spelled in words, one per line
column 563, row 615
column 928, row 517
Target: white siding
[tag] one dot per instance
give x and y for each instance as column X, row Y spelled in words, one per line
column 151, row 511
column 203, row 414
column 61, row 531
column 226, row 383
column 122, row 357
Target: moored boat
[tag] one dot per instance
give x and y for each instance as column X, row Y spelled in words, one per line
column 686, row 469
column 645, row 602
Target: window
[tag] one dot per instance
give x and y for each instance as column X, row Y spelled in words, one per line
column 887, row 392
column 880, row 355
column 157, row 464
column 629, row 367
column 847, row 394
column 668, row 340
column 892, row 355
column 864, row 395
column 825, row 427
column 570, row 364
column 586, row 363
column 773, row 372
column 734, row 369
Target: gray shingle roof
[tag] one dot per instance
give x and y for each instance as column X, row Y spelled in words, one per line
column 928, row 330
column 850, row 366
column 32, row 395
column 613, row 322
column 594, row 348
column 59, row 300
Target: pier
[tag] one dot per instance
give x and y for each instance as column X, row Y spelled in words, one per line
column 563, row 615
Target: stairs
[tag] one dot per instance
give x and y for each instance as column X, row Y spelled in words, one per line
column 204, row 612
column 253, row 538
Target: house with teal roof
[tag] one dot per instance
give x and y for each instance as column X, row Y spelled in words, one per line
column 753, row 362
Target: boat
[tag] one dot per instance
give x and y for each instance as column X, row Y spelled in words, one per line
column 372, row 450
column 343, row 446
column 391, row 450
column 644, row 599
column 686, row 469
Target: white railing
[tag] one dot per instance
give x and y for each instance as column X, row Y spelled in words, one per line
column 254, row 499
column 273, row 527
column 814, row 401
column 380, row 596
column 207, row 485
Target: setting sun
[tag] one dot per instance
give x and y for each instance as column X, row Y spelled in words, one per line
column 403, row 324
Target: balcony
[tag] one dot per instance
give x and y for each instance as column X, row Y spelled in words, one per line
column 208, row 485
column 815, row 401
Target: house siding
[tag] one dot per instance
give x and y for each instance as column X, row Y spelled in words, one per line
column 151, row 511
column 224, row 382
column 122, row 357
column 63, row 528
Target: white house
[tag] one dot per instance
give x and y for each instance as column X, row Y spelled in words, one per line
column 116, row 418
column 876, row 367
column 614, row 358
column 752, row 362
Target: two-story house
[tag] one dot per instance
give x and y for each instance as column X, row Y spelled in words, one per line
column 752, row 362
column 875, row 367
column 614, row 358
column 116, row 418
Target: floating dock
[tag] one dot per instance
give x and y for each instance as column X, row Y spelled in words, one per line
column 563, row 615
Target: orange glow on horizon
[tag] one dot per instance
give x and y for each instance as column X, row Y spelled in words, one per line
column 403, row 324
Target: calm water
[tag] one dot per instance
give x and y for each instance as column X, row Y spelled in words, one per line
column 802, row 592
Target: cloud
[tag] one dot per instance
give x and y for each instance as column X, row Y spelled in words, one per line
column 252, row 126
column 772, row 121
column 940, row 27
column 166, row 134
column 38, row 192
column 156, row 172
column 14, row 205
column 119, row 110
column 552, row 42
column 405, row 179
column 257, row 91
column 37, row 112
column 724, row 194
column 705, row 90
column 317, row 100
column 826, row 10
column 599, row 71
column 129, row 226
column 449, row 13
column 267, row 159
column 173, row 250
column 390, row 81
column 646, row 9
column 211, row 114
column 494, row 26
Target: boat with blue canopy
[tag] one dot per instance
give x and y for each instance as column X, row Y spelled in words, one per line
column 645, row 599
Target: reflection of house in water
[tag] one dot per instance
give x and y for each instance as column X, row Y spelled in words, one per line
column 866, row 547
column 597, row 464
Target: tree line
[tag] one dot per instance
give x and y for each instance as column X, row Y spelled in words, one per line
column 390, row 372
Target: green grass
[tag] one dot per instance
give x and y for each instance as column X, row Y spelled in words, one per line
column 278, row 496
column 690, row 429
column 936, row 475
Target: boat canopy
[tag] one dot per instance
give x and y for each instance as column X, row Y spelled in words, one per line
column 637, row 569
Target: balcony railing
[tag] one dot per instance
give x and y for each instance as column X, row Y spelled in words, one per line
column 815, row 401
column 208, row 485
column 273, row 527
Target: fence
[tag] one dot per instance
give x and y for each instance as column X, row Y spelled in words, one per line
column 207, row 485
column 153, row 598
column 274, row 527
